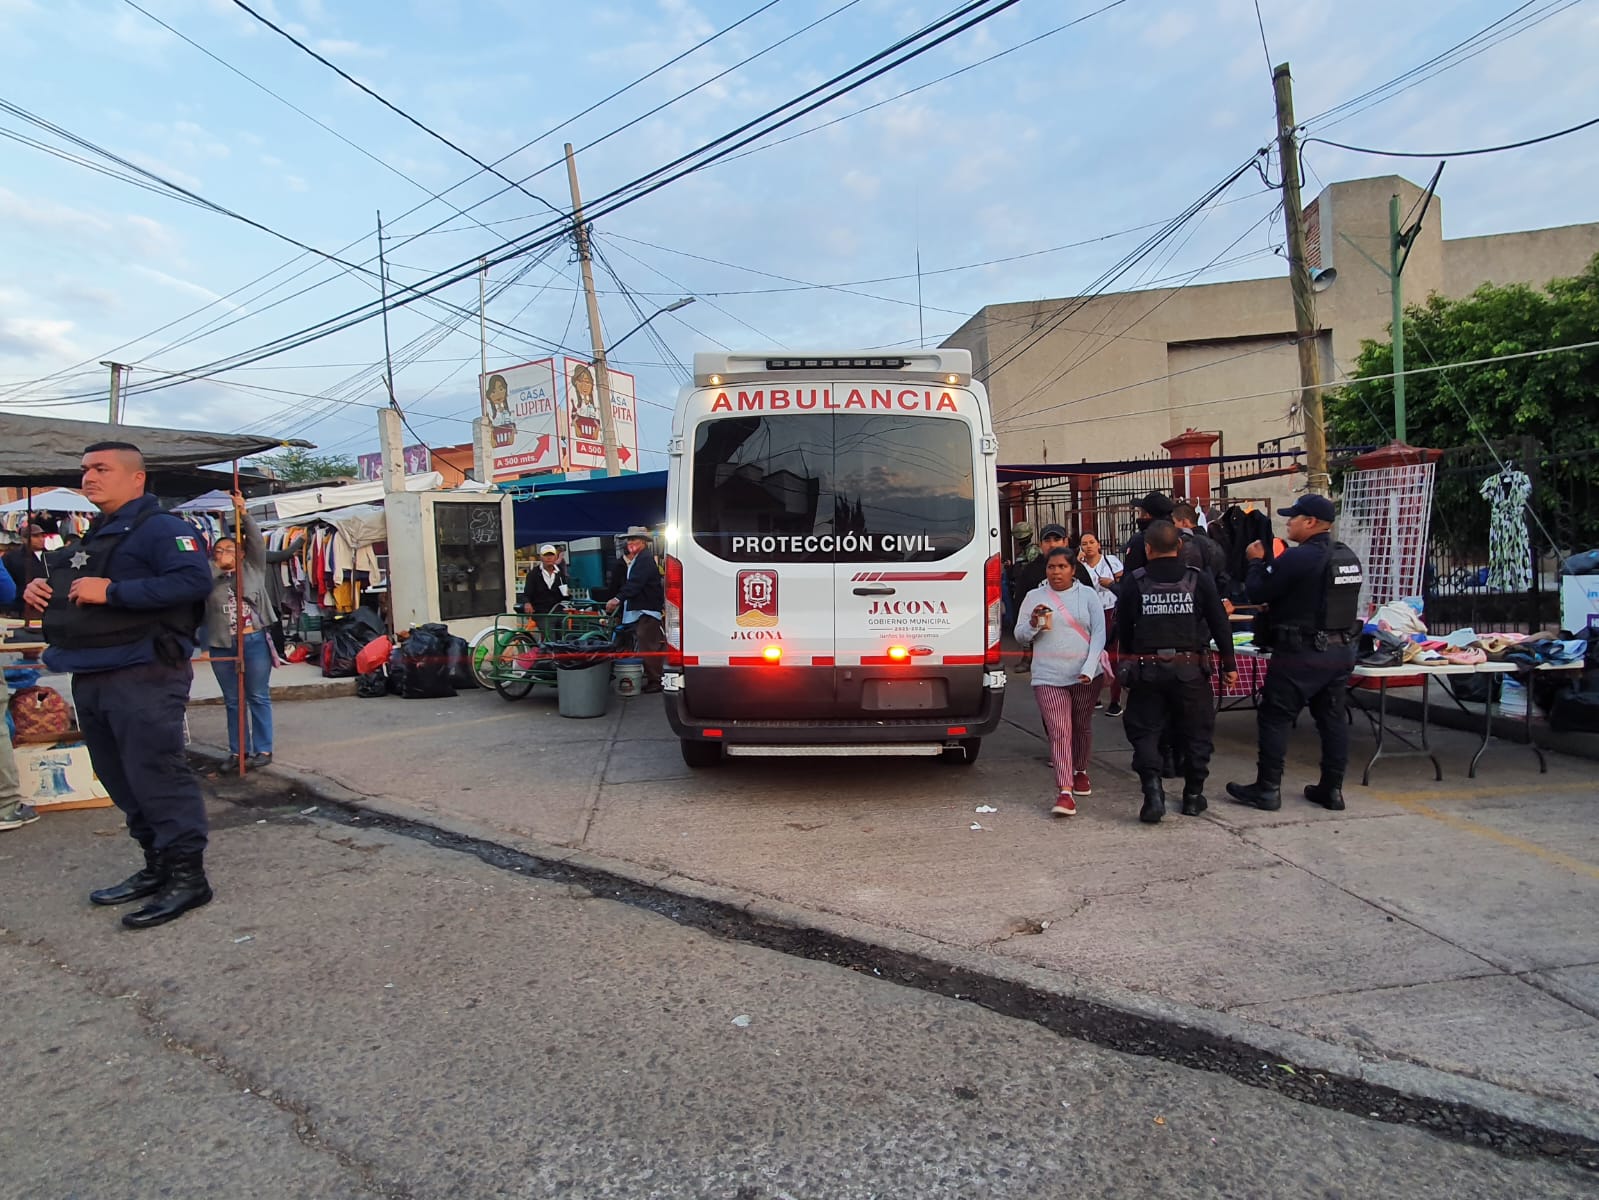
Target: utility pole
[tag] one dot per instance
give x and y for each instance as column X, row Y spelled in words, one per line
column 1394, row 289
column 482, row 321
column 602, row 376
column 1304, row 298
column 116, row 389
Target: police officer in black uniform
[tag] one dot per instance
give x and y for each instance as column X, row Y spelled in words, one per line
column 1312, row 594
column 1166, row 617
column 120, row 612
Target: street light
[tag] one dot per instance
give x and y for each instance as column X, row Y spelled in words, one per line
column 602, row 383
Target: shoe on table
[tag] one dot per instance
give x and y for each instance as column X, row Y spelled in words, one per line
column 1065, row 806
column 1256, row 795
column 1115, row 709
column 1080, row 784
column 26, row 814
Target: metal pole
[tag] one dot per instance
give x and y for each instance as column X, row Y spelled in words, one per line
column 602, row 377
column 238, row 615
column 482, row 324
column 1394, row 246
column 116, row 390
column 1306, row 339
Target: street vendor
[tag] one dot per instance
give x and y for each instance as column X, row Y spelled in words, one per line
column 546, row 584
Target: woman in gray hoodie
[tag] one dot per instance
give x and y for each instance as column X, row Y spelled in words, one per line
column 1064, row 622
column 247, row 607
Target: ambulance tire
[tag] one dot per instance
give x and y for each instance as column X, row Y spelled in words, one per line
column 963, row 755
column 701, row 754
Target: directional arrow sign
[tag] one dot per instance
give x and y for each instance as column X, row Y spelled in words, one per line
column 542, row 445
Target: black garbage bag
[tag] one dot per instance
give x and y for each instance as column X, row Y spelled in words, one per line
column 427, row 663
column 1575, row 711
column 396, row 671
column 373, row 684
column 461, row 665
column 344, row 642
column 582, row 650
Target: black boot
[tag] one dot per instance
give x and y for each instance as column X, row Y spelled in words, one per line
column 1154, row 800
column 1168, row 765
column 144, row 882
column 1266, row 796
column 185, row 888
column 1329, row 793
column 1194, row 801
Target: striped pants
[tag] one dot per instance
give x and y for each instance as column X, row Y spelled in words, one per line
column 1068, row 714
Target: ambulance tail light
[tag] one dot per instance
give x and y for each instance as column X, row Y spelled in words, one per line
column 993, row 603
column 672, row 614
column 899, row 653
column 773, row 653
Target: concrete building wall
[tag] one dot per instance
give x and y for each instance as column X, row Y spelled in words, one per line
column 1113, row 376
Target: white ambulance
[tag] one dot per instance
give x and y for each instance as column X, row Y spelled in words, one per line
column 833, row 572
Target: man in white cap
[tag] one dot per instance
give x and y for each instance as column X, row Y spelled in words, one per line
column 546, row 584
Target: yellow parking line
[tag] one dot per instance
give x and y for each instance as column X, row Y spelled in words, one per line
column 1406, row 801
column 1484, row 793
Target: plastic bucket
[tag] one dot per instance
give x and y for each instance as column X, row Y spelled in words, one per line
column 583, row 691
column 628, row 677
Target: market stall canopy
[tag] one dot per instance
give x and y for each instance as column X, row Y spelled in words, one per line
column 55, row 500
column 215, row 500
column 315, row 501
column 41, row 451
column 562, row 510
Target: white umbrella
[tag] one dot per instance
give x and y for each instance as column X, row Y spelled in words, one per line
column 55, row 500
column 213, row 501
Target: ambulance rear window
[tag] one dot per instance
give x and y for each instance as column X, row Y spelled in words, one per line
column 841, row 487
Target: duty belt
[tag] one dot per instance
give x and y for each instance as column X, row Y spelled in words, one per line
column 1174, row 657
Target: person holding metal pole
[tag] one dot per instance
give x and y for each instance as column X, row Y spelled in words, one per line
column 239, row 615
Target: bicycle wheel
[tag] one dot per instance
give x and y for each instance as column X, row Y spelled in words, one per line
column 483, row 653
column 514, row 664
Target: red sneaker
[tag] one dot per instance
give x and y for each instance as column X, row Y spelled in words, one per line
column 1080, row 784
column 1065, row 806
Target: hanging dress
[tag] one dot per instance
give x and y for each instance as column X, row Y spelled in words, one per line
column 1509, row 552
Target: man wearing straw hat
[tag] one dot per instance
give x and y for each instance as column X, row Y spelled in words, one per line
column 641, row 598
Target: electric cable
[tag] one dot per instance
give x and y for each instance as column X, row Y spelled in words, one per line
column 948, row 27
column 1548, row 137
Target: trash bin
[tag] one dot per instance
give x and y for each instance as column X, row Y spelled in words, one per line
column 583, row 691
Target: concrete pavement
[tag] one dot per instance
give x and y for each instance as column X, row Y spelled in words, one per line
column 1436, row 939
column 360, row 1014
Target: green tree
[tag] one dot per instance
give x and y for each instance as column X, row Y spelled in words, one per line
column 293, row 465
column 1552, row 398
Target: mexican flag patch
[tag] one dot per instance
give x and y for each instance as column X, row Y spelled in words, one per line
column 187, row 544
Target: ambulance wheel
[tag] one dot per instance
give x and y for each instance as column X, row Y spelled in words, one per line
column 701, row 754
column 965, row 754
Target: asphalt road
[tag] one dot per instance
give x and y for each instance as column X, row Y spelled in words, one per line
column 361, row 1014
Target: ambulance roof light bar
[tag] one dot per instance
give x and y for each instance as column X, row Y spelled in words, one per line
column 715, row 368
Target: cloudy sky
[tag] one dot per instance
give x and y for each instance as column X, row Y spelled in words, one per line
column 1013, row 177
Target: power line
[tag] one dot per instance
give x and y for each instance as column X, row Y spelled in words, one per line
column 395, row 109
column 952, row 25
column 1548, row 137
column 1261, row 23
column 706, row 41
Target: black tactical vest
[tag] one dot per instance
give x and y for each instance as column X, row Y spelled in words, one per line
column 1341, row 581
column 95, row 626
column 1169, row 616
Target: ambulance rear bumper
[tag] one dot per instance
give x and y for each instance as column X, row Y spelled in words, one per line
column 924, row 729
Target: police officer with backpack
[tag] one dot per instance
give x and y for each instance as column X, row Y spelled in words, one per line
column 1312, row 598
column 120, row 612
column 1168, row 613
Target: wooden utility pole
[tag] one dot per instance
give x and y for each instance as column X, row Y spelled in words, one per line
column 602, row 376
column 1304, row 298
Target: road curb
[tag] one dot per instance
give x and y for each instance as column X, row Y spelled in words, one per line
column 331, row 689
column 1454, row 1106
